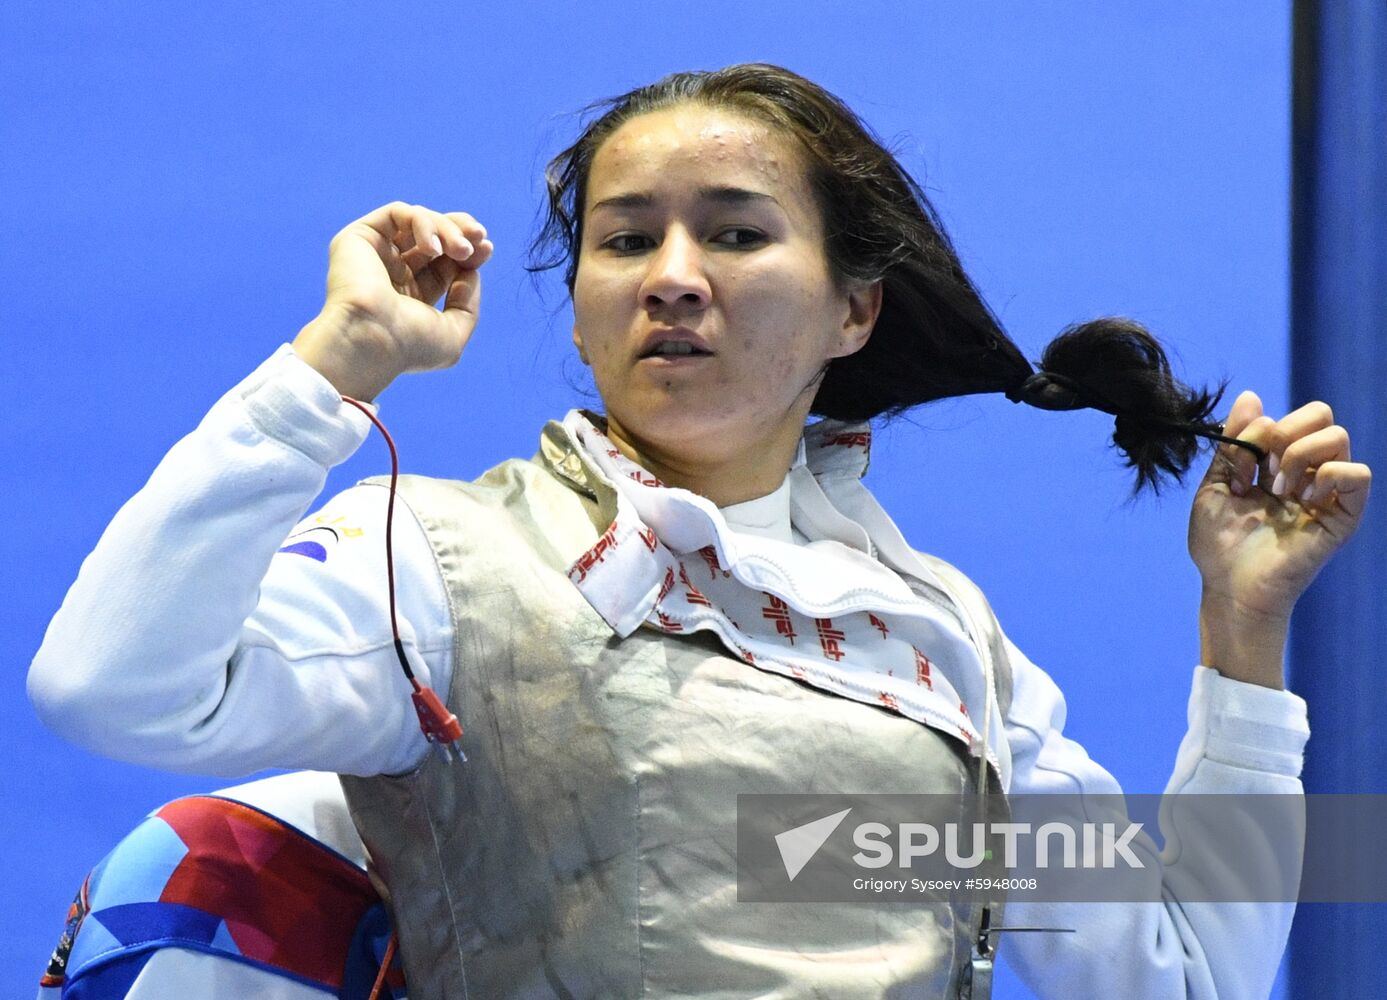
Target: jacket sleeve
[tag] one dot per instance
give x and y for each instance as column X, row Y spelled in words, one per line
column 208, row 633
column 1242, row 739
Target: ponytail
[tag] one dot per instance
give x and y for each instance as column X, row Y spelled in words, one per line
column 1116, row 366
column 935, row 336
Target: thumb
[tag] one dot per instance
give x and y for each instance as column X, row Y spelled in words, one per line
column 462, row 306
column 1233, row 466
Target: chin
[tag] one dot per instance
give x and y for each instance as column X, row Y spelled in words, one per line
column 676, row 427
column 682, row 427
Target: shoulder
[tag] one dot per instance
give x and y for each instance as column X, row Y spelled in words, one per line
column 980, row 618
column 967, row 593
column 488, row 489
column 336, row 557
column 518, row 502
column 951, row 574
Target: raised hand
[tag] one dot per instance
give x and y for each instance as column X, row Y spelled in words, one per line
column 386, row 271
column 1259, row 534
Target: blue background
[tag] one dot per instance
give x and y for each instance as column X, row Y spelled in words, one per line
column 172, row 176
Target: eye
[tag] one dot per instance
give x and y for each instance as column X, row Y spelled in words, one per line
column 740, row 236
column 733, row 236
column 626, row 242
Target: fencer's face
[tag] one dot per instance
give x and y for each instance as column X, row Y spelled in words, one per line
column 703, row 300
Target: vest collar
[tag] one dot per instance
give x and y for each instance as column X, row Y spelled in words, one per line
column 831, row 460
column 833, row 449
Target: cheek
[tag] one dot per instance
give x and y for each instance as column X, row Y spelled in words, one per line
column 592, row 316
column 780, row 368
column 790, row 330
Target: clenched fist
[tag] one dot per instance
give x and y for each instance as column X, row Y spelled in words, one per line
column 386, row 271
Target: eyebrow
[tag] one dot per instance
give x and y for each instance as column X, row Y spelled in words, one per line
column 722, row 195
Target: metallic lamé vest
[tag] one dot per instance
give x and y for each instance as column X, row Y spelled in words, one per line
column 587, row 848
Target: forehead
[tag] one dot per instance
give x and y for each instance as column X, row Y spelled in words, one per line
column 691, row 142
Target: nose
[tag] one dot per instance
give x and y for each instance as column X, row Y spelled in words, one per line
column 676, row 275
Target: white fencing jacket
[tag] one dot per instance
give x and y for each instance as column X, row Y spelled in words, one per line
column 216, row 629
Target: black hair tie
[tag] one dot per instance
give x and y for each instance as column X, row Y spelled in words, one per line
column 1053, row 391
column 1050, row 391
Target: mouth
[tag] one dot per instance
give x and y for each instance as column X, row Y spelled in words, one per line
column 675, row 349
column 675, row 344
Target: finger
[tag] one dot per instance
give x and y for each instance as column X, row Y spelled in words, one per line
column 455, row 243
column 480, row 255
column 470, row 227
column 395, row 265
column 1329, row 444
column 462, row 307
column 413, row 226
column 1233, row 465
column 422, row 249
column 457, row 234
column 424, row 225
column 1342, row 484
column 438, row 275
column 394, row 222
column 426, row 229
column 386, row 250
column 418, row 258
column 1303, row 420
column 1225, row 465
column 475, row 233
column 433, row 279
column 1246, row 408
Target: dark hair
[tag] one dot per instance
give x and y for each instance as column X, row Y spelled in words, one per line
column 935, row 336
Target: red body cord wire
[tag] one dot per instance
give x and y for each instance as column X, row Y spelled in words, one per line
column 384, row 966
column 439, row 725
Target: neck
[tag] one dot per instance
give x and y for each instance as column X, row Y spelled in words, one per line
column 725, row 476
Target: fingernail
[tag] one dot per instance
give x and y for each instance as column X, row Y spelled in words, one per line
column 1273, row 464
column 1278, row 485
column 1305, row 493
column 468, row 248
column 436, row 243
column 1237, row 487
